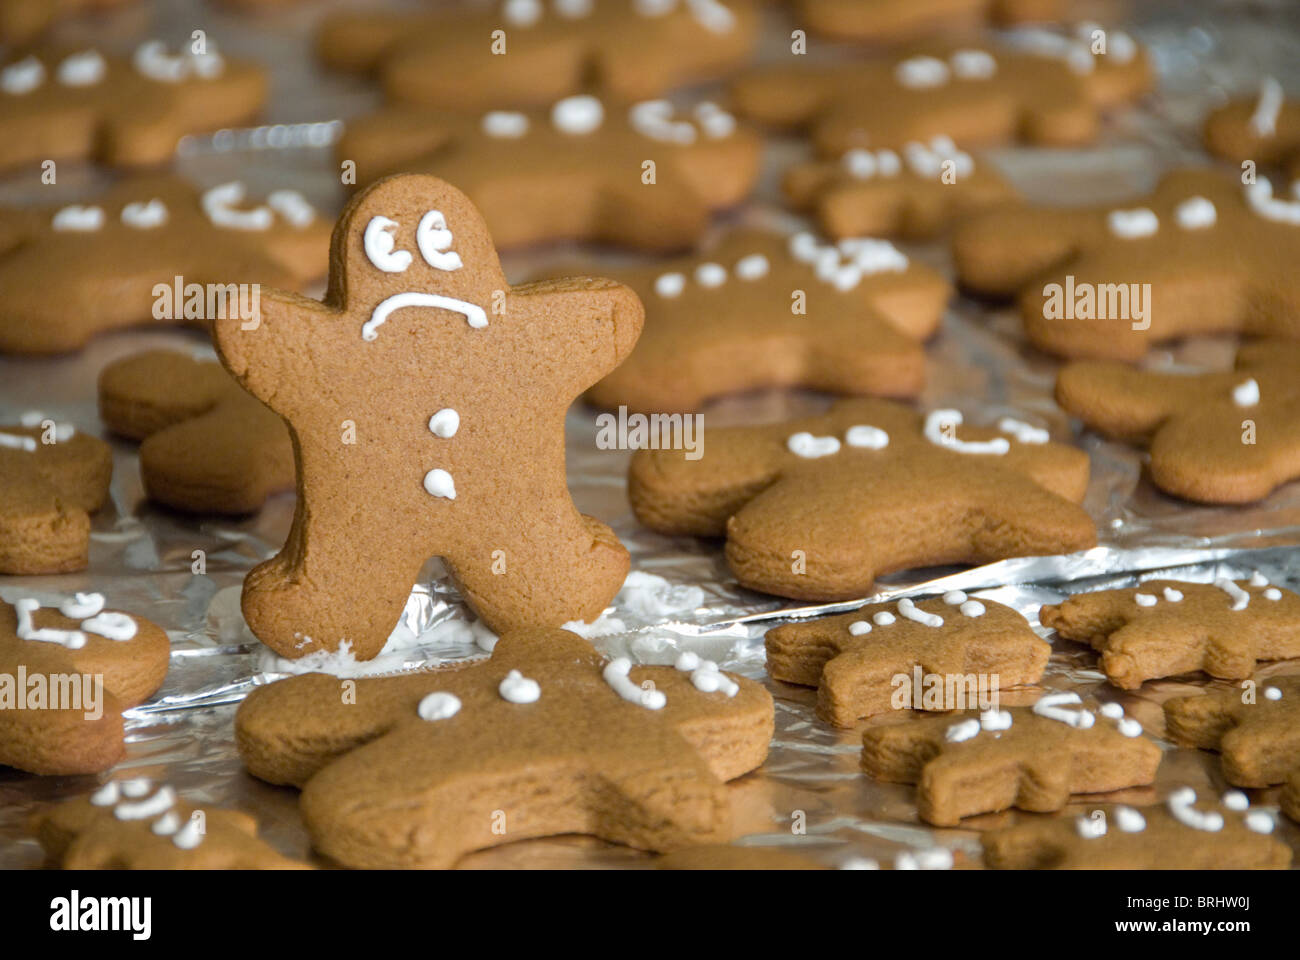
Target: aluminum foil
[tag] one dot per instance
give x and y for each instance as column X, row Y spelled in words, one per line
column 681, row 597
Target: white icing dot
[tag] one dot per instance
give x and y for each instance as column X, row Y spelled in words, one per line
column 22, row 77
column 1272, row 693
column 522, row 13
column 519, row 689
column 670, row 285
column 860, row 163
column 883, row 619
column 107, row 795
column 445, row 423
column 972, row 608
column 1260, row 821
column 439, row 483
column 189, row 836
column 1130, row 727
column 441, row 705
column 1259, row 196
column 919, row 73
column 578, row 115
column 166, row 825
column 973, row 64
column 137, row 787
column 83, row 69
column 505, row 124
column 1246, row 394
column 965, row 730
column 1145, row 599
column 710, row 275
column 1090, row 828
column 753, row 267
column 954, row 598
column 145, row 216
column 114, row 626
column 1196, row 213
column 867, row 437
column 1129, row 820
column 1131, row 224
column 1257, row 579
column 1273, row 593
column 81, row 605
column 996, row 719
column 1263, row 122
column 78, row 219
column 1112, row 710
column 1235, row 800
column 717, row 123
column 574, row 9
column 805, row 445
column 1172, row 595
column 859, row 627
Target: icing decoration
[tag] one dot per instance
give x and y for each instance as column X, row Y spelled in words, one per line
column 1235, row 800
column 1272, row 693
column 934, row 432
column 1023, row 432
column 716, row 123
column 1257, row 579
column 1263, row 122
column 918, row 73
column 1259, row 821
column 1180, row 805
column 1090, row 828
column 1129, row 820
column 152, row 60
column 82, row 605
column 293, row 206
column 1145, row 599
column 1129, row 727
column 519, row 689
column 473, row 314
column 1172, row 595
column 866, row 437
column 709, row 14
column 160, row 802
column 439, row 483
column 972, row 608
column 78, row 218
column 883, row 618
column 378, row 244
column 908, row 609
column 654, row 119
column 844, row 264
column 965, row 730
column 710, row 275
column 83, row 69
column 616, row 675
column 1076, row 54
column 107, row 795
column 578, row 115
column 145, row 216
column 1273, row 593
column 670, row 285
column 166, row 825
column 1196, row 214
column 137, row 787
column 1112, row 710
column 705, row 674
column 753, row 267
column 995, row 719
column 445, row 423
column 189, row 836
column 927, row 161
column 17, row 442
column 934, row 858
column 1246, row 394
column 522, row 13
column 114, row 626
column 434, row 242
column 859, row 627
column 1130, row 224
column 220, row 204
column 1259, row 196
column 574, row 9
column 506, row 124
column 22, row 77
column 954, row 598
column 1240, row 598
column 1049, row 706
column 973, row 64
column 805, row 445
column 864, row 164
column 24, row 608
column 441, row 705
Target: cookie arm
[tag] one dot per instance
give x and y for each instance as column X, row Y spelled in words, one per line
column 260, row 353
column 1125, row 403
column 1000, row 252
column 601, row 319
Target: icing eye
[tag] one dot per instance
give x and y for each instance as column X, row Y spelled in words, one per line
column 379, row 244
column 145, row 216
column 434, row 241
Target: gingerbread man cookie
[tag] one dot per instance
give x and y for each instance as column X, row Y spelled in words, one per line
column 765, row 310
column 1291, row 796
column 530, row 52
column 1264, row 128
column 1187, row 832
column 867, row 662
column 1223, row 437
column 52, row 478
column 1109, row 282
column 208, row 446
column 544, row 738
column 815, row 509
column 137, row 824
column 1258, row 737
column 1030, row 758
column 150, row 250
column 23, row 20
column 891, row 21
column 1165, row 628
column 66, row 675
column 1032, row 86
column 426, row 398
column 82, row 104
column 646, row 175
column 914, row 196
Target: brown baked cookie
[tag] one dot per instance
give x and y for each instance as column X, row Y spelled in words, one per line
column 52, row 478
column 138, row 825
column 66, row 675
column 1186, row 833
column 575, row 171
column 868, row 662
column 24, row 20
column 1229, row 437
column 1259, row 740
column 544, row 738
column 81, row 104
column 150, row 250
column 1032, row 759
column 762, row 309
column 531, row 52
column 1291, row 796
column 891, row 21
column 816, row 509
column 208, row 446
column 426, row 398
column 1264, row 128
column 1031, row 86
column 1111, row 281
column 915, row 196
column 1167, row 628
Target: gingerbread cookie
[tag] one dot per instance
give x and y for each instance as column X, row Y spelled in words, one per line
column 66, row 675
column 1259, row 740
column 426, row 398
column 1230, row 437
column 81, row 104
column 24, row 20
column 1111, row 281
column 150, row 250
column 52, row 478
column 869, row 662
column 544, row 738
column 717, row 856
column 891, row 21
column 1166, row 628
column 1032, row 759
column 575, row 171
column 1185, row 833
column 765, row 310
column 1032, row 86
column 207, row 446
column 1264, row 128
column 1291, row 796
column 531, row 52
column 139, row 825
column 914, row 196
column 815, row 509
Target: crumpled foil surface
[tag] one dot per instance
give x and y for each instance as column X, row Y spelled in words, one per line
column 681, row 596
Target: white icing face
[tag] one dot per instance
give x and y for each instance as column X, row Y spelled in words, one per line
column 941, row 430
column 1260, row 199
column 84, row 69
column 1131, row 224
column 578, row 116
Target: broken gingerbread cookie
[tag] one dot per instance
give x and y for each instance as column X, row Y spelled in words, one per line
column 760, row 309
column 151, row 250
column 207, row 445
column 877, row 658
column 1031, row 86
column 644, row 175
column 1030, row 758
column 545, row 737
column 1185, row 833
column 137, row 824
column 1110, row 282
column 531, row 52
column 52, row 477
column 893, row 21
column 1166, row 628
column 66, row 675
column 1217, row 437
column 426, row 398
column 1257, row 734
column 915, row 193
column 817, row 508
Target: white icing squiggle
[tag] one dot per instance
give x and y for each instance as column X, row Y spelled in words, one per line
column 1240, row 598
column 616, row 675
column 1049, row 706
column 474, row 315
column 378, row 243
column 434, row 241
column 1263, row 122
column 705, row 674
column 27, row 630
column 952, row 419
column 1180, row 805
column 909, row 609
column 221, row 203
column 1024, row 432
column 81, row 605
column 1259, row 196
column 114, row 626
